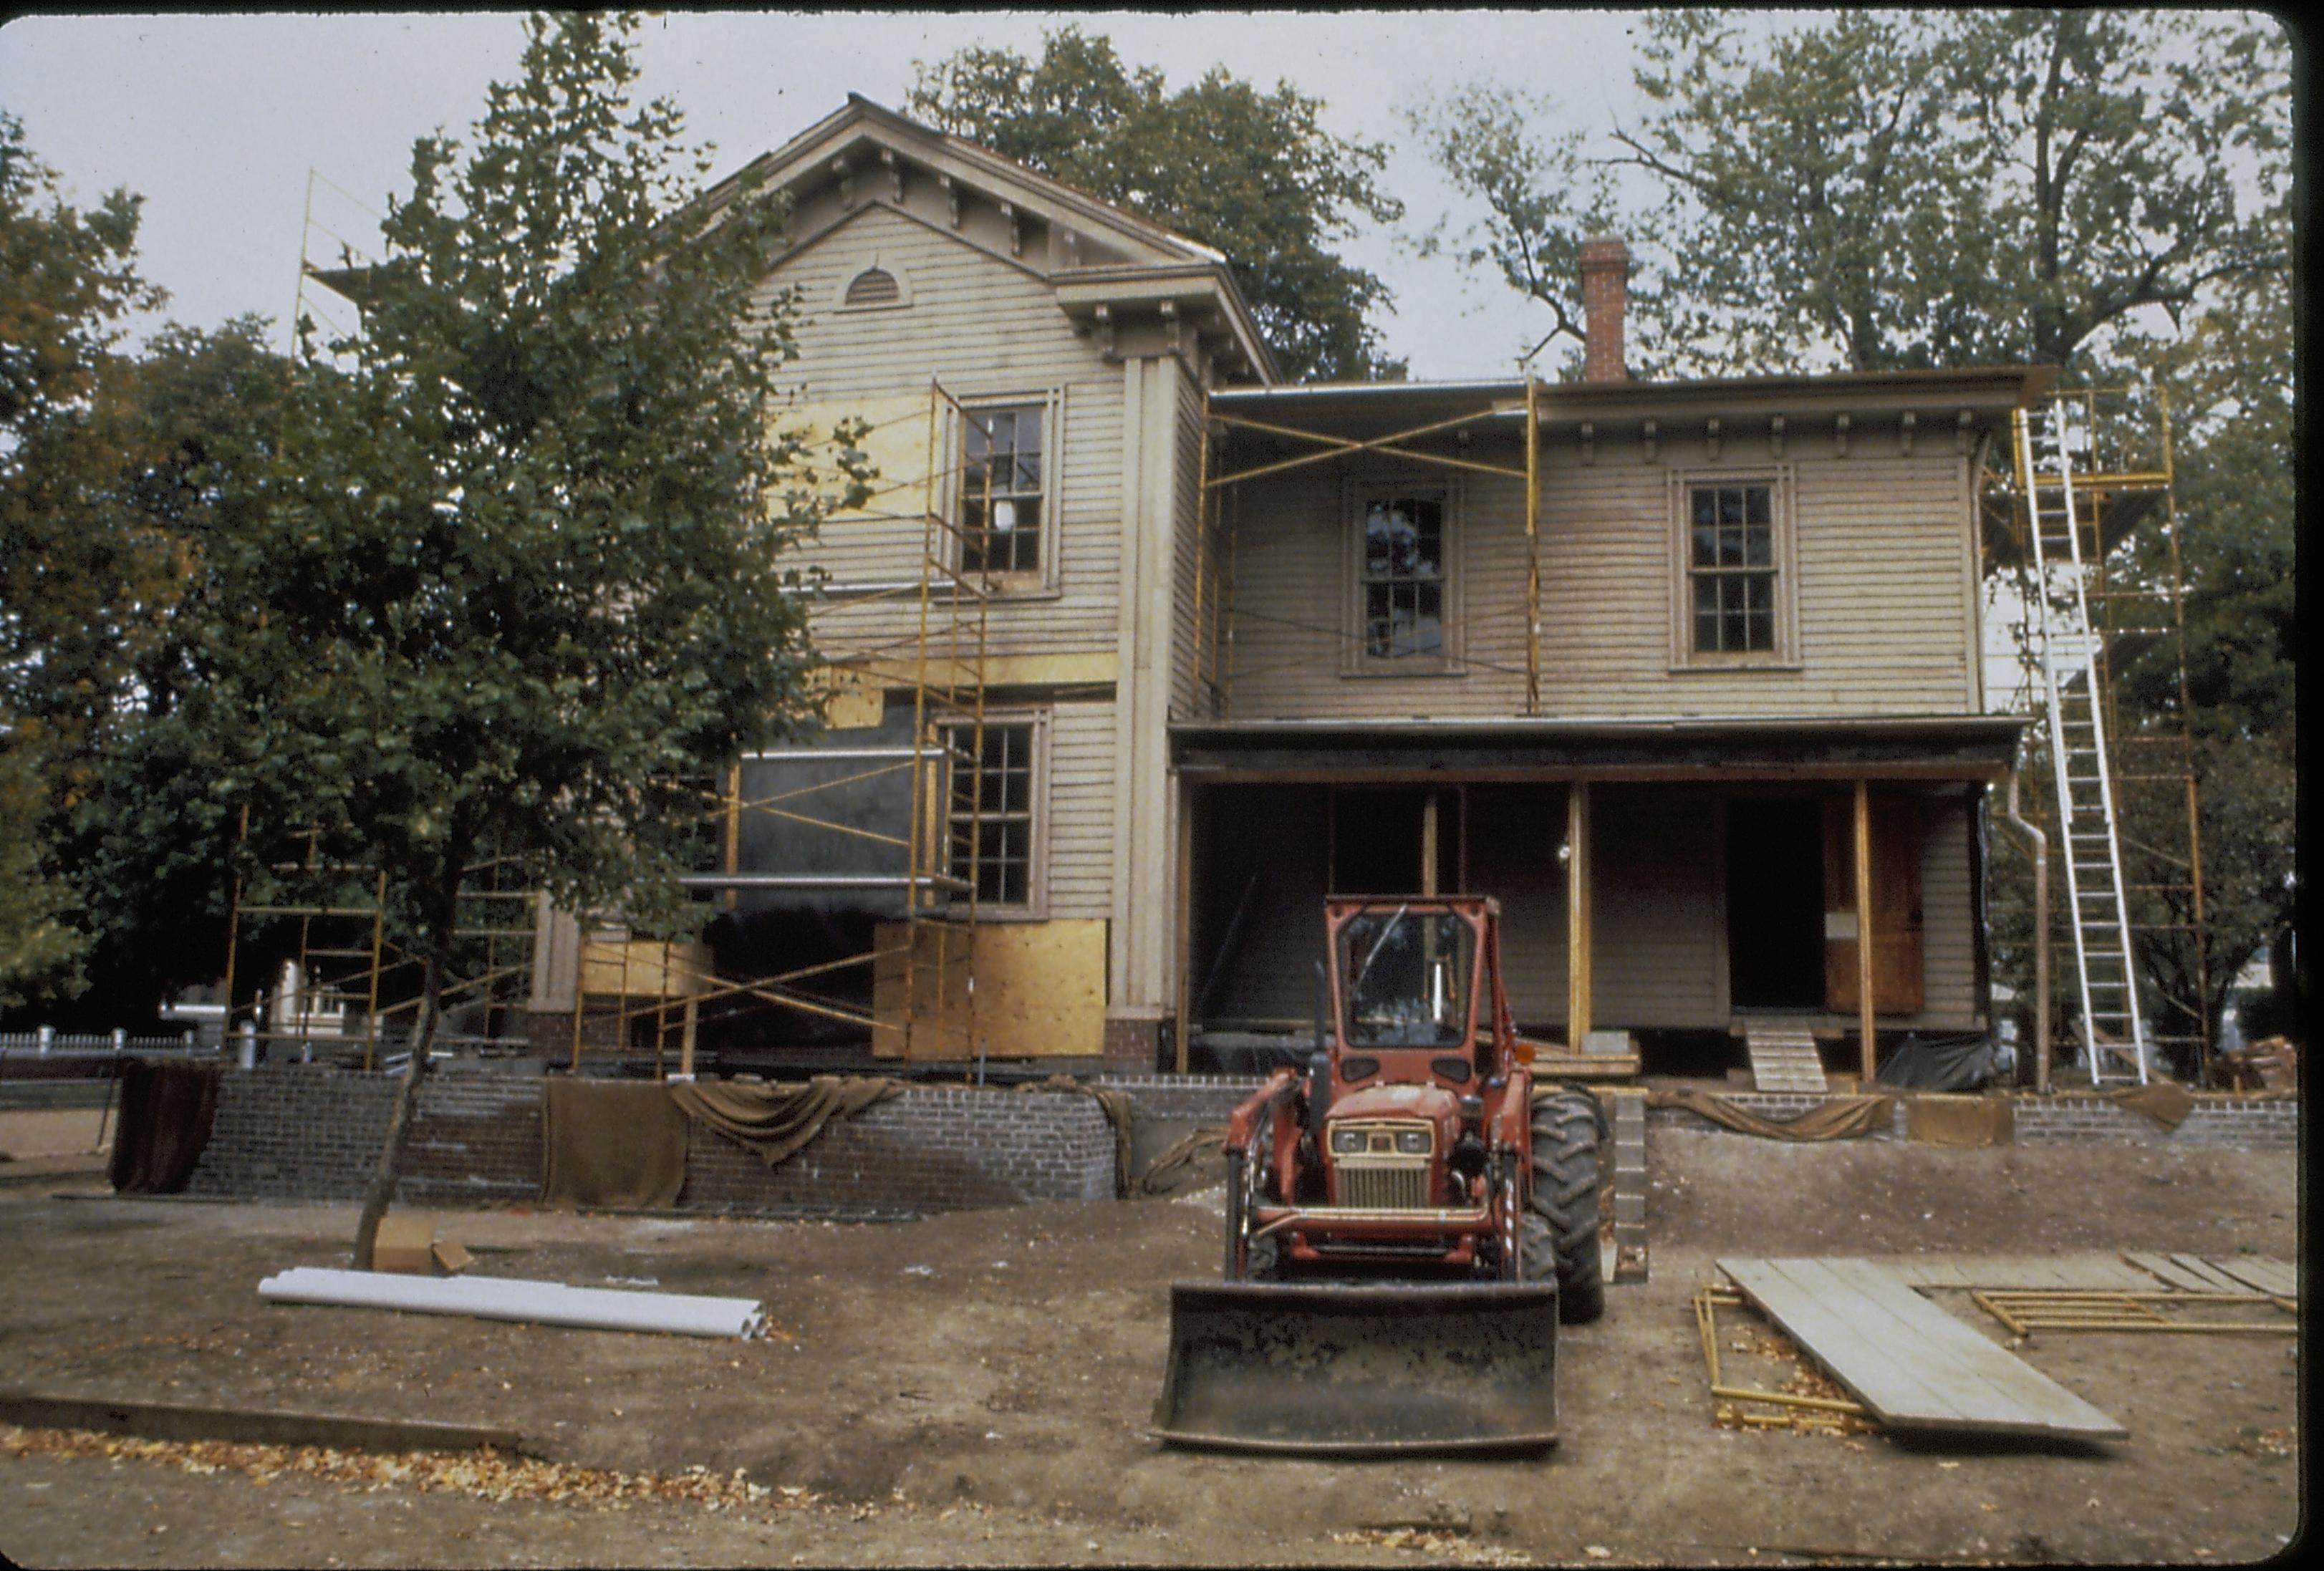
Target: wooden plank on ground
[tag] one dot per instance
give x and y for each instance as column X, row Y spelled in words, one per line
column 1911, row 1363
column 2171, row 1273
column 2221, row 1282
column 2274, row 1277
column 2099, row 1272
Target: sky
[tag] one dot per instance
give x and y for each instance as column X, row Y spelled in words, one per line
column 218, row 120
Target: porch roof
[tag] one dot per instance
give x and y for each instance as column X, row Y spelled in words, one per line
column 1965, row 747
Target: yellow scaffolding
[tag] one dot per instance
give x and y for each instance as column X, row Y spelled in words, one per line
column 2125, row 490
column 341, row 963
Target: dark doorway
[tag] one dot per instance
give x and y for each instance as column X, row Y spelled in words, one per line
column 1377, row 835
column 1774, row 903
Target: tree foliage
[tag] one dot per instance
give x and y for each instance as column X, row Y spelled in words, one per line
column 1251, row 174
column 514, row 580
column 80, row 580
column 1894, row 189
column 1541, row 199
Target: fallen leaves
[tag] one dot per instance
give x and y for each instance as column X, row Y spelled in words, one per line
column 483, row 1475
column 1451, row 1545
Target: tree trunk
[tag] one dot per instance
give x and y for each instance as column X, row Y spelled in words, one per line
column 381, row 1191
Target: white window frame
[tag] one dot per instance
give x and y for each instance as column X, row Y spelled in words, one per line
column 1356, row 496
column 1035, row 907
column 1042, row 578
column 1779, row 480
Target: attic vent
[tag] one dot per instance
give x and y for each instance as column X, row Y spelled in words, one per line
column 873, row 287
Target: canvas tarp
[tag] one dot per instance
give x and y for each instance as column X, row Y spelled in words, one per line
column 1935, row 1119
column 611, row 1145
column 1837, row 1118
column 166, row 1110
column 777, row 1120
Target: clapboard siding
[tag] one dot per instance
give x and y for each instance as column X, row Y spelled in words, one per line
column 1658, row 869
column 982, row 327
column 1880, row 573
column 1080, row 810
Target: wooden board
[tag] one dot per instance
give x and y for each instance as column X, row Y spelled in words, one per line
column 2188, row 1274
column 2274, row 1277
column 2098, row 1272
column 1040, row 991
column 1911, row 1363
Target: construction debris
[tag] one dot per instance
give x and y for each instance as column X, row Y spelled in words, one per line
column 547, row 1303
column 2071, row 1310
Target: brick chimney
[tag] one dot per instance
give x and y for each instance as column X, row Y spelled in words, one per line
column 1605, row 297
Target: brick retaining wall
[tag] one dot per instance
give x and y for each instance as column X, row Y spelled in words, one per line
column 2218, row 1118
column 308, row 1133
column 1191, row 1099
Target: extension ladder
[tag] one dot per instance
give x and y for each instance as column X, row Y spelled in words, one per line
column 2067, row 652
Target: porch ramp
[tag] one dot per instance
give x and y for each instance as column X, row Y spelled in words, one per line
column 1784, row 1058
column 1912, row 1366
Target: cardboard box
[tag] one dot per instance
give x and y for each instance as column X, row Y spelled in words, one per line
column 409, row 1245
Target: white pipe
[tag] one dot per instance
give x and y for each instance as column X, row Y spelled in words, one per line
column 547, row 1303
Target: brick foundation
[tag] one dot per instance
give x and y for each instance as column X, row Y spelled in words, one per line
column 312, row 1134
column 1136, row 1047
column 1193, row 1098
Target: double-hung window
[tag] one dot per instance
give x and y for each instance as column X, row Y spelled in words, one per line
column 1003, row 488
column 1404, row 603
column 1734, row 600
column 994, row 817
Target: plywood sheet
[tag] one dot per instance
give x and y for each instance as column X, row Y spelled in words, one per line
column 898, row 446
column 1911, row 1363
column 1041, row 990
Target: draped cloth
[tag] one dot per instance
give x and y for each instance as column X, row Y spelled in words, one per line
column 611, row 1145
column 1837, row 1118
column 777, row 1120
column 167, row 1107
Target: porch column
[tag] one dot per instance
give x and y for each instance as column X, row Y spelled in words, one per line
column 1864, row 924
column 1577, row 915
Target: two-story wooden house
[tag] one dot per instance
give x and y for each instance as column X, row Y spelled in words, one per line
column 1644, row 660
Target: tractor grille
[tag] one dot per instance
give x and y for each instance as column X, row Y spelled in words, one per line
column 1383, row 1189
column 1381, row 1178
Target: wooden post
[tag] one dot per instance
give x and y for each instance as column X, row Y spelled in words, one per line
column 686, row 1034
column 1577, row 915
column 1184, row 937
column 1864, row 925
column 1428, row 844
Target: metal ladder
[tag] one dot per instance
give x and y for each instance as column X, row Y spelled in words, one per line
column 2067, row 654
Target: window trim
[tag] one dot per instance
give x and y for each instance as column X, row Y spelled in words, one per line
column 1041, row 580
column 1355, row 494
column 1035, row 905
column 1780, row 483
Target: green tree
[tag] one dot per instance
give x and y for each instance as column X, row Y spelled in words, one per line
column 1541, row 198
column 1883, row 190
column 79, row 582
column 1253, row 175
column 514, row 581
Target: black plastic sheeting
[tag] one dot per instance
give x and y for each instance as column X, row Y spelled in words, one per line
column 1938, row 1063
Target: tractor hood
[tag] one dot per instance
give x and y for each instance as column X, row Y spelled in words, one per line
column 1433, row 1103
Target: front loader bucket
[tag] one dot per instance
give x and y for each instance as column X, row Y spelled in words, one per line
column 1360, row 1370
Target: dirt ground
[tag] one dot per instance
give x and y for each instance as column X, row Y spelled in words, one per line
column 974, row 1390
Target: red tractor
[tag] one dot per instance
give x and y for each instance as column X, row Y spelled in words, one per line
column 1416, row 1152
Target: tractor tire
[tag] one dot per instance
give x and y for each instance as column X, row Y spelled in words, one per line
column 1561, row 1223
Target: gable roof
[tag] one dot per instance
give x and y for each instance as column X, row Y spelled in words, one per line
column 864, row 154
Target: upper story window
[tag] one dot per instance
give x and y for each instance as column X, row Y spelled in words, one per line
column 1004, row 489
column 1734, row 571
column 874, row 285
column 1404, row 603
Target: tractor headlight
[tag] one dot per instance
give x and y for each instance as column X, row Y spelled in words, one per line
column 1412, row 1142
column 1345, row 1141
